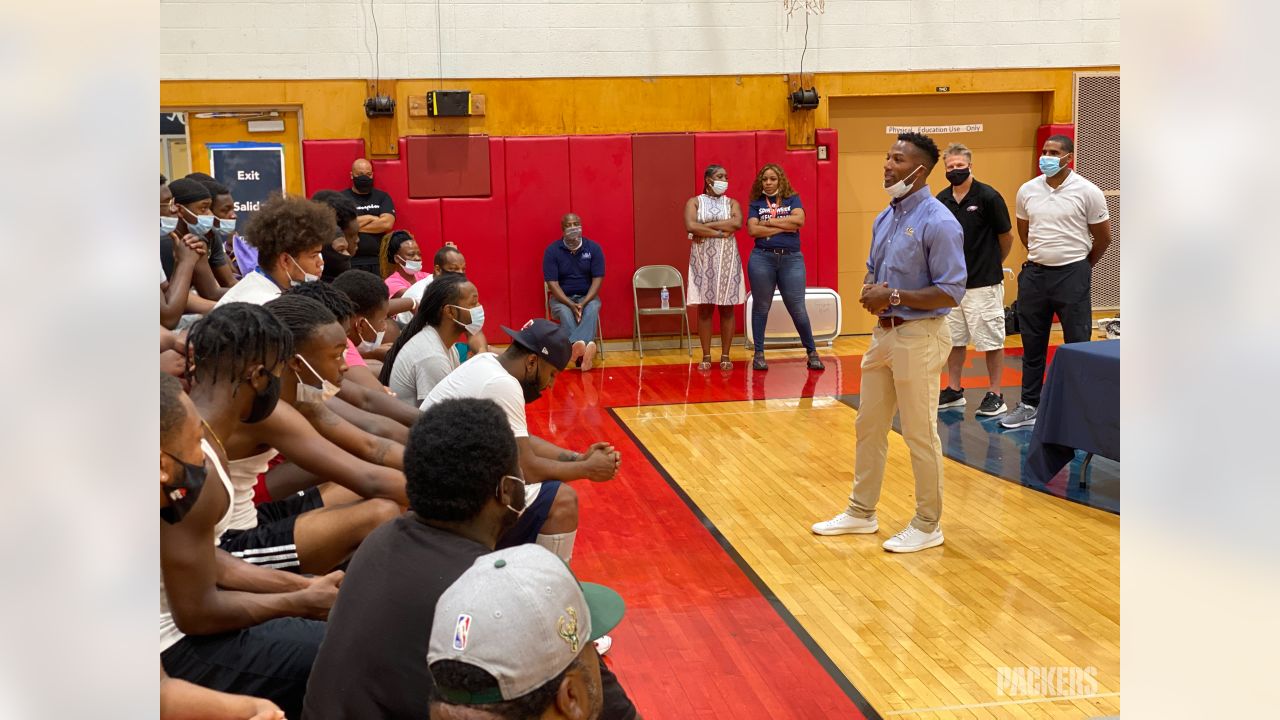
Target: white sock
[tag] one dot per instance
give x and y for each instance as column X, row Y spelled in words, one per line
column 561, row 544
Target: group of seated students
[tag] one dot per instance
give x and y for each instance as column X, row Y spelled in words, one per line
column 327, row 475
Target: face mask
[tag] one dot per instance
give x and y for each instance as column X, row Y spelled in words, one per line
column 902, row 187
column 362, row 183
column 530, row 388
column 365, row 347
column 1050, row 165
column 306, row 276
column 264, row 403
column 413, row 267
column 573, row 237
column 719, row 186
column 957, row 177
column 335, row 263
column 204, row 223
column 310, row 394
column 183, row 492
column 517, row 510
column 225, row 228
column 168, row 225
column 477, row 319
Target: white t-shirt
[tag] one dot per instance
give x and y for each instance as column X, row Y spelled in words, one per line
column 1058, row 220
column 169, row 632
column 254, row 288
column 421, row 364
column 415, row 293
column 484, row 377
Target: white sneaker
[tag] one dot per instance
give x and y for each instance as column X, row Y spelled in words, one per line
column 588, row 356
column 912, row 540
column 846, row 524
column 578, row 349
column 603, row 644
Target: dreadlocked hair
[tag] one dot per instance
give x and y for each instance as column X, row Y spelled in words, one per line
column 443, row 291
column 302, row 315
column 335, row 300
column 391, row 243
column 234, row 337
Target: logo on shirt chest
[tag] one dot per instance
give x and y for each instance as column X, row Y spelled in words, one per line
column 972, row 208
column 910, row 231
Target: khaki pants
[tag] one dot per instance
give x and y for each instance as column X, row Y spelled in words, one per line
column 901, row 372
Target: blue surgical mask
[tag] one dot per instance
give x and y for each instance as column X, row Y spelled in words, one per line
column 168, row 225
column 225, row 228
column 1050, row 165
column 204, row 223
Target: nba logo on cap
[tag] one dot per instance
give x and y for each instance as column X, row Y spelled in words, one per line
column 460, row 632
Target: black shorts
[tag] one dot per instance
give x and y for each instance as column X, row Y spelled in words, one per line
column 532, row 519
column 270, row 544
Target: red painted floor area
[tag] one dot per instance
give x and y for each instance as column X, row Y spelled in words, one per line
column 699, row 639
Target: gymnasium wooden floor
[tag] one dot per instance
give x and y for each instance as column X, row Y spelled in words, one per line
column 736, row 610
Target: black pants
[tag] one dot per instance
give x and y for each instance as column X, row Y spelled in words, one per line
column 1042, row 292
column 272, row 660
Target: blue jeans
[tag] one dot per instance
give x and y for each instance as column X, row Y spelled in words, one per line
column 767, row 271
column 585, row 330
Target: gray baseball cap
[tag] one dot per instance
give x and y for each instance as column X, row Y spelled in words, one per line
column 520, row 615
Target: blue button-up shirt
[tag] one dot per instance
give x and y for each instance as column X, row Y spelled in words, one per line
column 916, row 242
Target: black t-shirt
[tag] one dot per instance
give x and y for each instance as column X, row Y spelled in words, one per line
column 373, row 661
column 983, row 215
column 375, row 203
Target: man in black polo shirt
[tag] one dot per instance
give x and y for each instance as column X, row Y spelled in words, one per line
column 375, row 213
column 979, row 319
column 573, row 268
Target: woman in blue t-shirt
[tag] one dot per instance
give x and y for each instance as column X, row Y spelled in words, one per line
column 774, row 220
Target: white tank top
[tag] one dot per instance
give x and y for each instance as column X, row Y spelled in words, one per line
column 244, row 476
column 169, row 632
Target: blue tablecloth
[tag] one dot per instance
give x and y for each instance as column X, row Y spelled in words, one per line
column 1079, row 408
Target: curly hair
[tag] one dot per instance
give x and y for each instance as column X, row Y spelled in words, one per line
column 785, row 190
column 391, row 243
column 924, row 144
column 335, row 300
column 457, row 453
column 367, row 293
column 289, row 226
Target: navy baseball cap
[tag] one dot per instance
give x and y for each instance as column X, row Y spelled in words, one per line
column 545, row 339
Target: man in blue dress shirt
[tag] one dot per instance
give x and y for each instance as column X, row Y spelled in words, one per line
column 915, row 275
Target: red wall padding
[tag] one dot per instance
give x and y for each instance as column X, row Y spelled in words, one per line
column 478, row 226
column 442, row 166
column 420, row 217
column 537, row 197
column 801, row 170
column 736, row 151
column 327, row 164
column 600, row 190
column 659, row 162
column 828, row 211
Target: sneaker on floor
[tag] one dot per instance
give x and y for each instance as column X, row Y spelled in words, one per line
column 758, row 363
column 1021, row 415
column 949, row 398
column 588, row 356
column 579, row 349
column 603, row 644
column 912, row 540
column 992, row 404
column 815, row 362
column 846, row 524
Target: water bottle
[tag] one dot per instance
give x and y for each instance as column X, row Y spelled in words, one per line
column 666, row 299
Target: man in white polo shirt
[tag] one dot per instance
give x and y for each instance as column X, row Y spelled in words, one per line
column 1064, row 223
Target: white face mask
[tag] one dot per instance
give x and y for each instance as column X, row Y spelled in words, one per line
column 306, row 276
column 310, row 394
column 225, row 228
column 364, row 346
column 413, row 267
column 902, row 187
column 477, row 318
column 719, row 186
column 522, row 487
column 202, row 226
column 168, row 225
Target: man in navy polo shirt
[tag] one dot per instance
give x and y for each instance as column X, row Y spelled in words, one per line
column 573, row 267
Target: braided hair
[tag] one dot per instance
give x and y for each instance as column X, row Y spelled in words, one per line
column 302, row 315
column 443, row 291
column 232, row 338
column 335, row 300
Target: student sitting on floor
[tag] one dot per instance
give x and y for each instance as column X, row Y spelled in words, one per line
column 425, row 353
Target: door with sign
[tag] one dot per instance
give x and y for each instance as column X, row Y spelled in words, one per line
column 253, row 172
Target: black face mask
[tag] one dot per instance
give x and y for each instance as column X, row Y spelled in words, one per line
column 362, row 183
column 530, row 387
column 182, row 492
column 335, row 263
column 265, row 402
column 957, row 177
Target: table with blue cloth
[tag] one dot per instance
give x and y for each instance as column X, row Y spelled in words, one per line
column 1079, row 409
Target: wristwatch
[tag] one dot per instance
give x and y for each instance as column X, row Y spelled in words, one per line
column 895, row 298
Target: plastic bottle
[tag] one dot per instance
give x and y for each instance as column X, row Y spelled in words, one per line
column 666, row 299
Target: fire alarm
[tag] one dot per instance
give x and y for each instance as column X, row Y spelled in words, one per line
column 380, row 106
